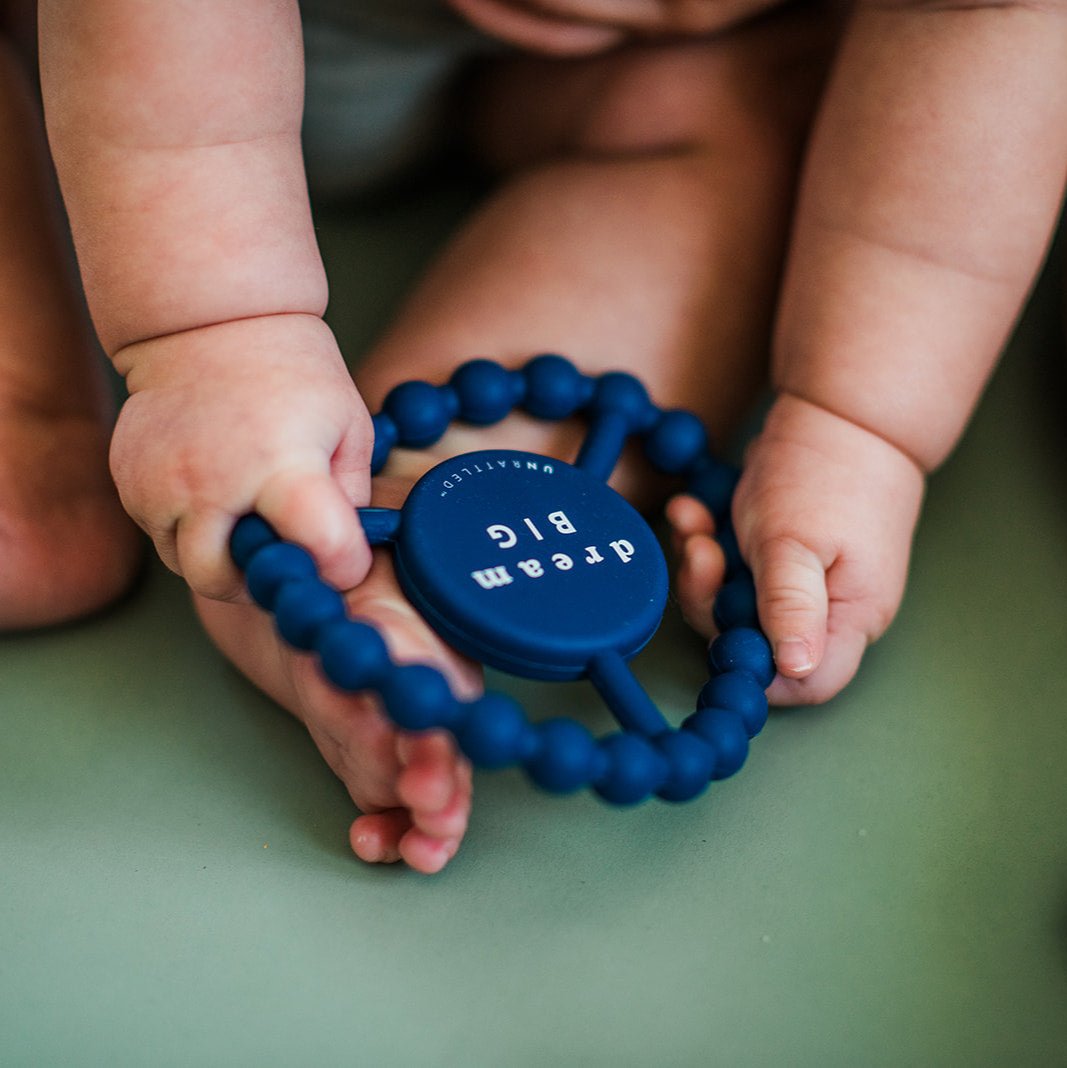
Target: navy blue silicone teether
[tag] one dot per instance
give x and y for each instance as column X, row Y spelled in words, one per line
column 538, row 568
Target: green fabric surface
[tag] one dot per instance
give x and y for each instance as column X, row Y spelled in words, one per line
column 884, row 883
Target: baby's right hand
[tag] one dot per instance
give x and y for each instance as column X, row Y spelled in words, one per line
column 824, row 516
column 254, row 415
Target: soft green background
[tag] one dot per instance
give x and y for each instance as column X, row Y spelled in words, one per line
column 884, row 883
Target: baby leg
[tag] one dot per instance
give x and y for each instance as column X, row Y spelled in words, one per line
column 639, row 225
column 67, row 546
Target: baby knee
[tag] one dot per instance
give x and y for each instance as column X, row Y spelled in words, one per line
column 688, row 96
column 748, row 93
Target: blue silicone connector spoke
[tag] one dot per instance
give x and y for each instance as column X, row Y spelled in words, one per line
column 625, row 696
column 381, row 525
column 603, row 445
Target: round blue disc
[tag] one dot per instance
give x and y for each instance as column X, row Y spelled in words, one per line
column 529, row 565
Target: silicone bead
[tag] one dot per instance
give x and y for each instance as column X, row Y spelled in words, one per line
column 275, row 565
column 724, row 731
column 385, row 437
column 485, row 390
column 302, row 608
column 735, row 603
column 634, row 769
column 449, row 399
column 676, row 441
column 352, row 654
column 555, row 388
column 743, row 649
column 567, row 759
column 691, row 761
column 493, row 731
column 418, row 698
column 251, row 534
column 714, row 484
column 619, row 392
column 421, row 412
column 739, row 691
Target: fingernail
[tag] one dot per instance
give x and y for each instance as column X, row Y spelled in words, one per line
column 793, row 656
column 367, row 847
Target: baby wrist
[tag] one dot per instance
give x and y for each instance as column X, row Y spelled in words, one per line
column 834, row 433
column 223, row 347
column 842, row 421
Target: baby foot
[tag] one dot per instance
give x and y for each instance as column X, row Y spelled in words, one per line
column 413, row 790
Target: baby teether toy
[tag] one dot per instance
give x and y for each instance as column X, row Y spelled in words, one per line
column 538, row 568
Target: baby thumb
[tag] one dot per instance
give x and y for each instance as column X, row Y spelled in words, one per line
column 792, row 601
column 310, row 508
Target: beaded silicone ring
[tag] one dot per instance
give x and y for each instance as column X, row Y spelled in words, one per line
column 538, row 568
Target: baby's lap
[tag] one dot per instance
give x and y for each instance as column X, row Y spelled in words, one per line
column 387, row 38
column 378, row 75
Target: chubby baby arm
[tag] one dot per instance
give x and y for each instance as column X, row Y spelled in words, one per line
column 931, row 192
column 175, row 129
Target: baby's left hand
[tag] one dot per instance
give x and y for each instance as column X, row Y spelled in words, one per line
column 824, row 515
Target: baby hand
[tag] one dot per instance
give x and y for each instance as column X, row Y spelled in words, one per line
column 253, row 415
column 824, row 516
